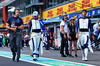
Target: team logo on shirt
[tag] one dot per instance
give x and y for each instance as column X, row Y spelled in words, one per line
column 18, row 20
column 13, row 23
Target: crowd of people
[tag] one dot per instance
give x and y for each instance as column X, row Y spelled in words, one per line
column 4, row 40
column 80, row 34
column 77, row 33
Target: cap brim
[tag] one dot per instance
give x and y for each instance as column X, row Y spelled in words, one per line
column 35, row 15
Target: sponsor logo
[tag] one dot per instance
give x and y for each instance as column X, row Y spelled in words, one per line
column 50, row 14
column 71, row 7
column 60, row 11
column 98, row 2
column 86, row 3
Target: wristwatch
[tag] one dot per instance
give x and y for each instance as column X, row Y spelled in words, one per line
column 17, row 27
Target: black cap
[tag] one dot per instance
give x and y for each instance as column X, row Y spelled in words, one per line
column 84, row 10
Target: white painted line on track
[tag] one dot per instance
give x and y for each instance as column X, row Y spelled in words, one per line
column 48, row 58
column 28, row 61
column 70, row 61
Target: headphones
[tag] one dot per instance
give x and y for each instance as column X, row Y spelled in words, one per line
column 63, row 17
column 15, row 10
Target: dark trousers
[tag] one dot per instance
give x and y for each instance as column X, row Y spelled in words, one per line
column 47, row 46
column 6, row 43
column 64, row 43
column 15, row 41
column 1, row 42
column 95, row 41
column 22, row 43
column 26, row 41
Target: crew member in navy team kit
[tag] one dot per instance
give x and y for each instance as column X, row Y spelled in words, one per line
column 15, row 25
column 82, row 31
column 35, row 27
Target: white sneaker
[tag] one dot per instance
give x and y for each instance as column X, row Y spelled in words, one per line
column 83, row 58
column 35, row 58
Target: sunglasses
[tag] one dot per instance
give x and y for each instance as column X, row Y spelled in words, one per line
column 65, row 18
column 72, row 19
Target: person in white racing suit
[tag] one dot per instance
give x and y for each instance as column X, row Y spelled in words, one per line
column 83, row 27
column 36, row 27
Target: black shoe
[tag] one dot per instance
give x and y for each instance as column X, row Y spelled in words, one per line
column 70, row 55
column 63, row 56
column 35, row 60
column 13, row 58
column 76, row 55
column 17, row 59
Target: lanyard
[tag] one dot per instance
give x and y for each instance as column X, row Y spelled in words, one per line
column 14, row 21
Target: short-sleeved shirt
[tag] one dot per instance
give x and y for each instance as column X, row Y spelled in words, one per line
column 13, row 21
column 72, row 28
column 65, row 26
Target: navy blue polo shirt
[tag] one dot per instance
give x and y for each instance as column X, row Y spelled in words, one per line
column 13, row 21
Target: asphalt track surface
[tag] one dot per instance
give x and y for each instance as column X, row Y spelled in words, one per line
column 51, row 56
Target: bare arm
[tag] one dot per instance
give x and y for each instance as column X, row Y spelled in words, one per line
column 62, row 29
column 21, row 27
column 77, row 34
column 69, row 34
column 68, row 31
column 98, row 27
column 7, row 26
column 10, row 28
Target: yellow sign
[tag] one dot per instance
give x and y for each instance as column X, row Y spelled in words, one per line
column 70, row 8
column 27, row 18
column 1, row 25
column 66, row 9
column 96, row 3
